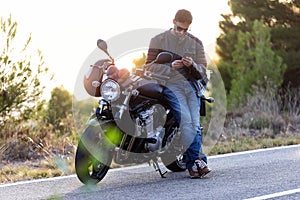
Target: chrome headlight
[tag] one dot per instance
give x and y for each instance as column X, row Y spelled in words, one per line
column 110, row 90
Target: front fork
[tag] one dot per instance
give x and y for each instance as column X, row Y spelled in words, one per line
column 103, row 120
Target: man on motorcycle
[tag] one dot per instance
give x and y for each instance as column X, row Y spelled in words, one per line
column 182, row 91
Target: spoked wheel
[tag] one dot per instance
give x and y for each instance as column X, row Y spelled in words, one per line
column 173, row 158
column 93, row 157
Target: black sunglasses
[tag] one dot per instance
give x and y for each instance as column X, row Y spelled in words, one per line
column 179, row 29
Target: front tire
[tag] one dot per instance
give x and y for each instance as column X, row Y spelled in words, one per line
column 93, row 157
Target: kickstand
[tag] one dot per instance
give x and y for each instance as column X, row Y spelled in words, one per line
column 157, row 168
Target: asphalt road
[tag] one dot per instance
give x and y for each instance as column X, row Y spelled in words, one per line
column 261, row 174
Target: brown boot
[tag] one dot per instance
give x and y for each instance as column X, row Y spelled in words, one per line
column 194, row 173
column 199, row 169
column 202, row 168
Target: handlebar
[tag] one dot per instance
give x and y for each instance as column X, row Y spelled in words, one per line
column 209, row 99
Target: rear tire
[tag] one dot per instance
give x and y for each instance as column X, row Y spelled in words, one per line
column 173, row 157
column 173, row 162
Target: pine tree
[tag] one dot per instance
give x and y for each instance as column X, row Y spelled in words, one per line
column 255, row 63
column 283, row 18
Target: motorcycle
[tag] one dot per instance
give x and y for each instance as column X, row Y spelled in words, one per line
column 132, row 123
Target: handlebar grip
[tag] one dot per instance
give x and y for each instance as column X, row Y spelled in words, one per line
column 209, row 99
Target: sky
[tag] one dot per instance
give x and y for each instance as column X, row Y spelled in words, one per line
column 66, row 31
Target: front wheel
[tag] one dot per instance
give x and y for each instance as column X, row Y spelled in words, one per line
column 93, row 157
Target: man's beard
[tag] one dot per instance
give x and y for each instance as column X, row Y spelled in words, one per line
column 178, row 36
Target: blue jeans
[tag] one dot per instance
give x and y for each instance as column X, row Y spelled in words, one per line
column 185, row 105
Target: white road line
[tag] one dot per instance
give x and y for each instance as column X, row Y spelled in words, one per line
column 253, row 151
column 278, row 194
column 37, row 180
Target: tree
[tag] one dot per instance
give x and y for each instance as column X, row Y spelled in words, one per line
column 21, row 73
column 139, row 62
column 255, row 63
column 59, row 106
column 283, row 18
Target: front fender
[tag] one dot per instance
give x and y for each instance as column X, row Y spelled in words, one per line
column 107, row 128
column 94, row 121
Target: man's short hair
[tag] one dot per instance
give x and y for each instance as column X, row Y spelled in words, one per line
column 184, row 16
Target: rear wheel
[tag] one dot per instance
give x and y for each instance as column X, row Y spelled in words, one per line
column 93, row 157
column 173, row 157
column 173, row 162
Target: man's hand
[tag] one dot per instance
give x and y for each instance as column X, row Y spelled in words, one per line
column 187, row 61
column 176, row 64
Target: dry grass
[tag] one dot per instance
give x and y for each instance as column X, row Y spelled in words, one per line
column 251, row 143
column 28, row 170
column 266, row 120
column 33, row 154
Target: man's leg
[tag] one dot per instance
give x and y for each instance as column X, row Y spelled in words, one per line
column 176, row 95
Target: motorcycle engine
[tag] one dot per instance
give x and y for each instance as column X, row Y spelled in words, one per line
column 155, row 140
column 146, row 128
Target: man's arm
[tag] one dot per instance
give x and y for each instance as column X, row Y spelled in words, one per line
column 198, row 68
column 153, row 50
column 151, row 55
